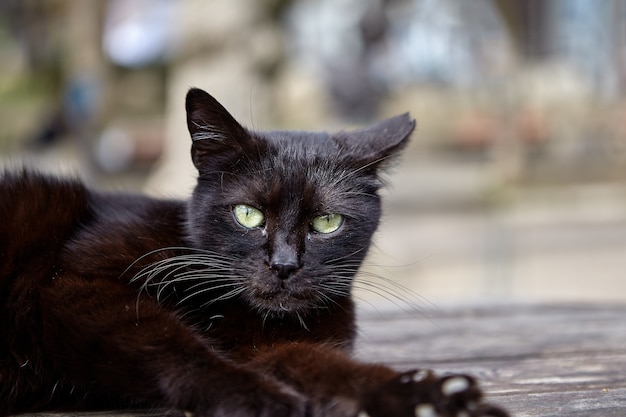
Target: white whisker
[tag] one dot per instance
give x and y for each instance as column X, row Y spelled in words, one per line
column 211, row 271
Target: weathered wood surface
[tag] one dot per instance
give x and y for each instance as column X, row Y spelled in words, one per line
column 536, row 360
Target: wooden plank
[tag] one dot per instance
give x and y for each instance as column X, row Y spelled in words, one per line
column 536, row 360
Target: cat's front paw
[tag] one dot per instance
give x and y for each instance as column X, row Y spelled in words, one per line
column 423, row 394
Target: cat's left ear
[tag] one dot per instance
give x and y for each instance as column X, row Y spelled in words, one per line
column 378, row 144
column 216, row 135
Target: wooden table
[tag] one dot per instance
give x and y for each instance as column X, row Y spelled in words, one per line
column 535, row 360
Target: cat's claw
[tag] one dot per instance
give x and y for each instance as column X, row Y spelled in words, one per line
column 425, row 410
column 421, row 393
column 455, row 385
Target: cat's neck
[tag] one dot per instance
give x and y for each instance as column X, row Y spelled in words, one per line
column 240, row 331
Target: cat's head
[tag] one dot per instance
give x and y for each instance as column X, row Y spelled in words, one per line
column 288, row 215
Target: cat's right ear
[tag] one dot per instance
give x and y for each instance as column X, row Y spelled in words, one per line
column 213, row 130
column 376, row 146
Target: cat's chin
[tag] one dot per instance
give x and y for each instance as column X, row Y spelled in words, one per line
column 280, row 303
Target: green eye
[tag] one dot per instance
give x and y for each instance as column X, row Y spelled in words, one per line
column 327, row 223
column 248, row 216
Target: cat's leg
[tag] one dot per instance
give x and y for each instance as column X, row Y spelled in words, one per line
column 339, row 386
column 98, row 336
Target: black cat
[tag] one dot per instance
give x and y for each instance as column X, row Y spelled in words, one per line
column 234, row 303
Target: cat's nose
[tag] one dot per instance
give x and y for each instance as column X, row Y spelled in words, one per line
column 283, row 270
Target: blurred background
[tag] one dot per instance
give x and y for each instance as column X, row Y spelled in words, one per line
column 513, row 189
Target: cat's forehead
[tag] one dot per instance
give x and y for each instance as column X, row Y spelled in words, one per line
column 303, row 145
column 310, row 159
column 294, row 169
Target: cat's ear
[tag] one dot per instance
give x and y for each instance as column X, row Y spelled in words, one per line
column 213, row 130
column 377, row 145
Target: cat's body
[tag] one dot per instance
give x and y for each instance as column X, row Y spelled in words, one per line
column 236, row 303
